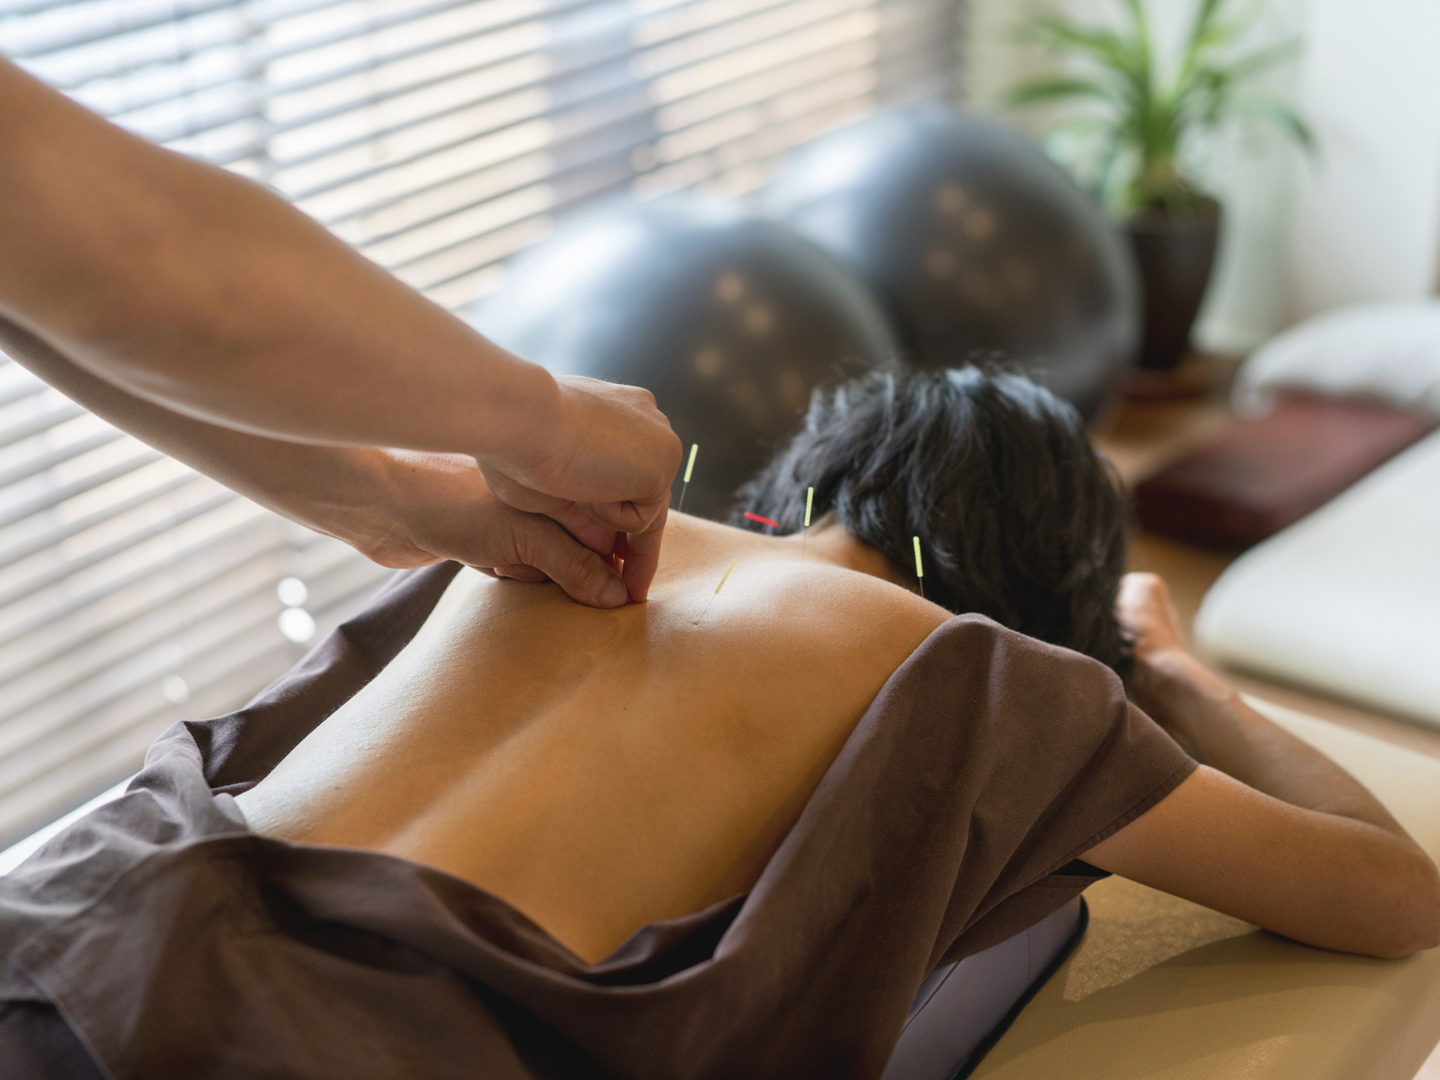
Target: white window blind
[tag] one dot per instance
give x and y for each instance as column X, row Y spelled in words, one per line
column 436, row 136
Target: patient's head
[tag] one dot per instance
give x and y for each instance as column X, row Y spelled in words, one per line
column 1018, row 517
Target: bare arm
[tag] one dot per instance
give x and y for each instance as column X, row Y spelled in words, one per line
column 399, row 508
column 199, row 290
column 202, row 292
column 1269, row 829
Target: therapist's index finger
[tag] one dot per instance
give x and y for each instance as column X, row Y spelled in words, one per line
column 642, row 558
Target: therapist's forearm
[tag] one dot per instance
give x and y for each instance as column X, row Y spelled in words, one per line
column 195, row 289
column 328, row 488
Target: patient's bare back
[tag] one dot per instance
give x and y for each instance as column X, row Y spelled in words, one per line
column 604, row 769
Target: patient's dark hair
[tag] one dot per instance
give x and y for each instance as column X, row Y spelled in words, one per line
column 1018, row 517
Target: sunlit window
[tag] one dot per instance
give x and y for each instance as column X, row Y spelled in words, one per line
column 438, row 137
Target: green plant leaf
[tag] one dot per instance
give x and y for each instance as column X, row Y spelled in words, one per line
column 1203, row 30
column 1207, row 34
column 1140, row 43
column 1082, row 124
column 1105, row 47
column 1105, row 174
column 1252, row 64
column 1205, row 96
column 1149, row 117
column 1277, row 112
column 1057, row 89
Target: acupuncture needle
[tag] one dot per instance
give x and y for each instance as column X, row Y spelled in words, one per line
column 689, row 468
column 805, row 536
column 716, row 592
column 919, row 568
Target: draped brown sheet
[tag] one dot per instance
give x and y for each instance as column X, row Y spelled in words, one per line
column 175, row 942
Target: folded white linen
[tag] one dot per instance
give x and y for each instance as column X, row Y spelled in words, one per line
column 1346, row 600
column 1389, row 352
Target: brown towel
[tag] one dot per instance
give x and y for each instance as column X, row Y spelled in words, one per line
column 177, row 943
column 1258, row 476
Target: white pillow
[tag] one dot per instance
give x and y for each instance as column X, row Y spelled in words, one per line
column 1389, row 352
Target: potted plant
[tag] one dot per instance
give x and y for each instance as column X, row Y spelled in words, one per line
column 1143, row 121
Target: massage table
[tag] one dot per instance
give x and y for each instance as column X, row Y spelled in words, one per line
column 1161, row 988
column 1347, row 600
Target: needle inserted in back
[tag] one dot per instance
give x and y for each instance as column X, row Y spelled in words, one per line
column 689, row 468
column 805, row 538
column 919, row 568
column 716, row 592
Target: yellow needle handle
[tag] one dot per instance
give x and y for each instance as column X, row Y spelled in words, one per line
column 726, row 577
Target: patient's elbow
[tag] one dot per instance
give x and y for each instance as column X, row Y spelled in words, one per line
column 1414, row 924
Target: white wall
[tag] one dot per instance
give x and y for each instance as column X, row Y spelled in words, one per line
column 1360, row 222
column 1367, row 219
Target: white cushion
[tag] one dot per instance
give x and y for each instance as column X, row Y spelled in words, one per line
column 1389, row 352
column 1346, row 600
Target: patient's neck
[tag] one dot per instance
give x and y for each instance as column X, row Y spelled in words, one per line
column 827, row 541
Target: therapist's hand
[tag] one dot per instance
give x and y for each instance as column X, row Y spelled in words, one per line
column 607, row 454
column 428, row 508
column 399, row 508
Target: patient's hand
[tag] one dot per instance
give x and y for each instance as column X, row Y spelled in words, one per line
column 1146, row 611
column 1167, row 682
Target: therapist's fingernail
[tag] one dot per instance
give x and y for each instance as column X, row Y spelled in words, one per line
column 614, row 594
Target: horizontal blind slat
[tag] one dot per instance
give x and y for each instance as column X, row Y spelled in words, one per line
column 580, row 135
column 561, row 206
column 53, row 497
column 49, row 459
column 19, row 390
column 266, row 91
column 206, row 622
column 38, row 425
column 252, row 619
column 436, row 136
column 33, row 585
column 115, row 747
column 64, row 42
column 590, row 63
column 75, row 602
column 63, row 633
column 262, row 12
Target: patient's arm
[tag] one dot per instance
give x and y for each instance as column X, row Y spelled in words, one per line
column 1269, row 830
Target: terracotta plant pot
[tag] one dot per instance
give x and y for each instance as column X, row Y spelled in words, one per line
column 1175, row 254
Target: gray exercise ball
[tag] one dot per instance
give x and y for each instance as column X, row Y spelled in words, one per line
column 976, row 243
column 728, row 319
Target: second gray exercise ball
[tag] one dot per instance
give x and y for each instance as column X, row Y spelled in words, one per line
column 975, row 241
column 728, row 319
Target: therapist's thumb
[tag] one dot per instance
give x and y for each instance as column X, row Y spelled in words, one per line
column 586, row 577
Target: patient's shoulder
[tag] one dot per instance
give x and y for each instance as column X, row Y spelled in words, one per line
column 830, row 599
column 972, row 654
